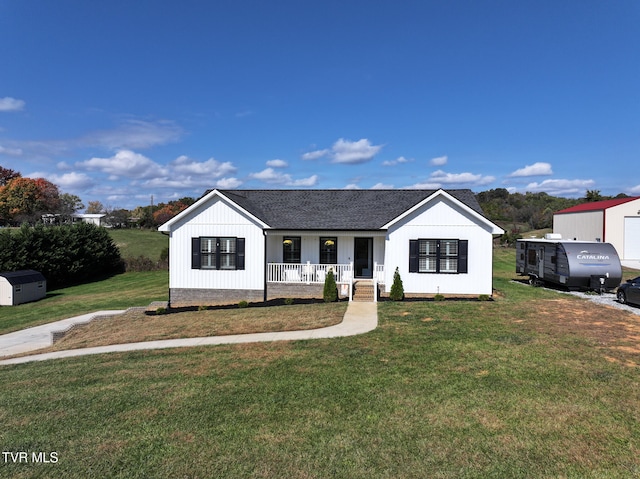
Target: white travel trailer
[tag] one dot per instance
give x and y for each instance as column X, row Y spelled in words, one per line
column 576, row 265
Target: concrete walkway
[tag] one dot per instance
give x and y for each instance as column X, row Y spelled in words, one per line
column 359, row 318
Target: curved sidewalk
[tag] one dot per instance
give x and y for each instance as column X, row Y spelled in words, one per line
column 359, row 318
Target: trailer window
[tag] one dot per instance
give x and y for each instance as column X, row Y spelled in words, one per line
column 531, row 258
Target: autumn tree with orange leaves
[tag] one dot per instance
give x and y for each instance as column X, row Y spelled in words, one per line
column 168, row 211
column 26, row 199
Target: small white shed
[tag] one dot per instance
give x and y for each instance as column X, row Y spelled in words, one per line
column 17, row 287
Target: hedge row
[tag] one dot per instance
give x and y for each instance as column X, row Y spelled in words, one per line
column 65, row 255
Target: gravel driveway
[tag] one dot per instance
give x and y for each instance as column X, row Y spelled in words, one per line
column 607, row 299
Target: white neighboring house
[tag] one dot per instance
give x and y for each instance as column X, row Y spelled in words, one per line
column 614, row 221
column 256, row 245
column 96, row 219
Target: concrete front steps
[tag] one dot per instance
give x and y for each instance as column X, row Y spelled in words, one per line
column 363, row 291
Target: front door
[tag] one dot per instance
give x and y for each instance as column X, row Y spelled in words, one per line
column 363, row 257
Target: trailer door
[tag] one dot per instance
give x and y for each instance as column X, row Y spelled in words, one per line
column 541, row 262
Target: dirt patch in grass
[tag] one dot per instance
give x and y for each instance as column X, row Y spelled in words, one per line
column 615, row 331
column 136, row 326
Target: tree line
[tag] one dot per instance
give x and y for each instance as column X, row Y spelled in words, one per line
column 31, row 201
column 26, row 200
column 65, row 255
column 530, row 211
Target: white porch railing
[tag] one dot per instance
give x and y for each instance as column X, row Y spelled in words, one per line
column 308, row 273
column 378, row 275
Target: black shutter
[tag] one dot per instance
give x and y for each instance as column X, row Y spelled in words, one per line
column 217, row 253
column 239, row 253
column 463, row 254
column 414, row 260
column 195, row 253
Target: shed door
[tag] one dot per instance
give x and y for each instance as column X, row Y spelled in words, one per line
column 631, row 238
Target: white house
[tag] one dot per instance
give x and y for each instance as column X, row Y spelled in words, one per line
column 93, row 218
column 615, row 221
column 256, row 245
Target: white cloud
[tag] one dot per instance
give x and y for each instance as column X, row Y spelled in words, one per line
column 269, row 175
column 353, row 152
column 11, row 104
column 425, row 186
column 351, row 186
column 443, row 177
column 277, row 163
column 346, row 152
column 315, row 155
column 72, row 181
column 67, row 181
column 382, row 186
column 125, row 163
column 228, row 183
column 439, row 161
column 135, row 134
column 537, row 169
column 560, row 187
column 212, row 168
column 635, row 190
column 10, row 151
column 398, row 161
column 310, row 181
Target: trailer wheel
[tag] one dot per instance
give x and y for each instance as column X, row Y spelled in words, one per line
column 622, row 298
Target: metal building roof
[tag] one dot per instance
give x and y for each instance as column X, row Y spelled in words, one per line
column 597, row 205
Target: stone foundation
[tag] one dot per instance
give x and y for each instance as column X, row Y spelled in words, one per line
column 181, row 297
column 213, row 297
column 302, row 291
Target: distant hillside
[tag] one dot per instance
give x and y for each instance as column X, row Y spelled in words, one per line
column 531, row 211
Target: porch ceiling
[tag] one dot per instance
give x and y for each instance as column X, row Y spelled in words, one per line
column 326, row 232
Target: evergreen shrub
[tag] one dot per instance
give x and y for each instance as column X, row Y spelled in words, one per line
column 330, row 292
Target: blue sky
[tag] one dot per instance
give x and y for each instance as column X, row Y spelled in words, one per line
column 117, row 100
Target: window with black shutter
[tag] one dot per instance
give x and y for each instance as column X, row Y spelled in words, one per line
column 438, row 256
column 218, row 253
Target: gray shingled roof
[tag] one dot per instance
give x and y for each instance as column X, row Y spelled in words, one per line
column 22, row 277
column 335, row 209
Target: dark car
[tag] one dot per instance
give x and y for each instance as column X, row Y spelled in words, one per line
column 629, row 292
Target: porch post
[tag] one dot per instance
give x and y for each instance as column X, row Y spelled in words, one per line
column 351, row 281
column 375, row 281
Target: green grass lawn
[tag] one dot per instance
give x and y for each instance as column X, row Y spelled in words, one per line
column 117, row 292
column 139, row 242
column 452, row 389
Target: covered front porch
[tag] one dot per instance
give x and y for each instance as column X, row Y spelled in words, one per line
column 314, row 275
column 305, row 258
